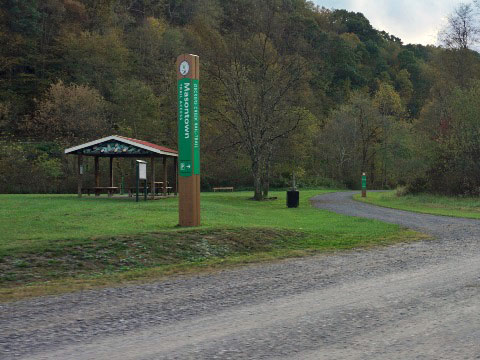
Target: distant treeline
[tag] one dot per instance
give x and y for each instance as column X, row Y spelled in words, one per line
column 286, row 86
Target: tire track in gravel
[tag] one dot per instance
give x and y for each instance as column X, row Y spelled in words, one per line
column 418, row 300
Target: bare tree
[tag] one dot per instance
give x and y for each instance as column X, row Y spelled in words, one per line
column 462, row 31
column 351, row 137
column 256, row 91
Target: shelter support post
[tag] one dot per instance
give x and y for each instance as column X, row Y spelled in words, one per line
column 137, row 180
column 79, row 175
column 175, row 165
column 165, row 176
column 152, row 186
column 111, row 171
column 97, row 172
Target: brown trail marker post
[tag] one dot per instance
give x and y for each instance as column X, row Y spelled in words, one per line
column 364, row 185
column 188, row 68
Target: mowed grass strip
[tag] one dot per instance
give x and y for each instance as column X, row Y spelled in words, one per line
column 56, row 243
column 126, row 252
column 466, row 207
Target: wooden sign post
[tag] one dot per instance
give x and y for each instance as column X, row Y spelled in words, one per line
column 364, row 185
column 188, row 67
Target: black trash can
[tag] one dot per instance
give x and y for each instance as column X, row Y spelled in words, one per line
column 293, row 197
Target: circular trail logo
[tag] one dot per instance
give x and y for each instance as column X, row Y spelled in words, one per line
column 184, row 68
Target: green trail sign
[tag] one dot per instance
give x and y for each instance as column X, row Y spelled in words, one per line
column 364, row 185
column 188, row 127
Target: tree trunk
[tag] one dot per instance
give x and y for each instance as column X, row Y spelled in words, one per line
column 266, row 188
column 372, row 173
column 266, row 180
column 385, row 147
column 257, row 183
column 257, row 180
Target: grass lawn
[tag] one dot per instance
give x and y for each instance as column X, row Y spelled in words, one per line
column 56, row 243
column 429, row 204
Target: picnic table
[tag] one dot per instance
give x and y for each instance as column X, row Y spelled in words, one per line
column 224, row 188
column 158, row 189
column 97, row 190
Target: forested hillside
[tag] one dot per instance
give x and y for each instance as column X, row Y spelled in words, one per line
column 285, row 87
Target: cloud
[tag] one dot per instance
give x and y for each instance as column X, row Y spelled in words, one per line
column 414, row 21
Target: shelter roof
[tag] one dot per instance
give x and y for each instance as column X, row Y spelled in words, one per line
column 120, row 146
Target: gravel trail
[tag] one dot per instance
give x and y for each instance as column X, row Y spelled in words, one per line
column 408, row 301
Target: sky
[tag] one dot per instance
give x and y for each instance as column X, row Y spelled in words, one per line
column 413, row 21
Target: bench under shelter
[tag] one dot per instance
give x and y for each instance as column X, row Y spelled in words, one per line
column 116, row 146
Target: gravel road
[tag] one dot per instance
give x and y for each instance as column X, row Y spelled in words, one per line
column 408, row 301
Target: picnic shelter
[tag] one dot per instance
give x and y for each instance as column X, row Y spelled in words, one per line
column 117, row 146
